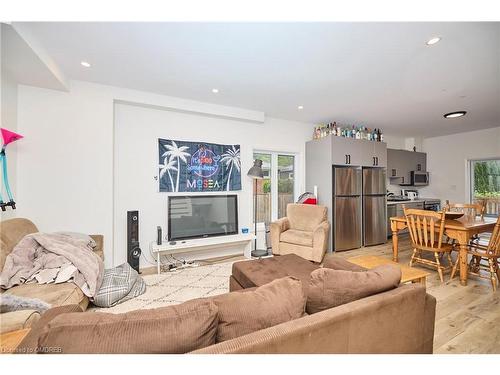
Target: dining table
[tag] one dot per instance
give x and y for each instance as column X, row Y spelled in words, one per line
column 460, row 229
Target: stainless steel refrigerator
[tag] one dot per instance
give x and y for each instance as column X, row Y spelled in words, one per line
column 374, row 206
column 347, row 204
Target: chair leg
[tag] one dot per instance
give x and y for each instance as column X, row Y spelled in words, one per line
column 493, row 275
column 412, row 259
column 450, row 261
column 440, row 271
column 497, row 269
column 454, row 269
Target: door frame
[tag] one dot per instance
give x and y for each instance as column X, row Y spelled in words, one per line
column 274, row 177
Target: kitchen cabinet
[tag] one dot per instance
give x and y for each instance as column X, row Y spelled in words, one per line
column 401, row 162
column 420, row 161
column 345, row 153
column 358, row 152
column 380, row 153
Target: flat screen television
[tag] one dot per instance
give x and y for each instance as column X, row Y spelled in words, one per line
column 200, row 216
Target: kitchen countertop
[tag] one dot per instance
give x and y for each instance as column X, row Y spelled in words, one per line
column 417, row 200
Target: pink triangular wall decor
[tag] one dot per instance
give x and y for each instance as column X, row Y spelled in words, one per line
column 9, row 137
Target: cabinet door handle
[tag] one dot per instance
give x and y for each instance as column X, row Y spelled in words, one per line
column 347, row 159
column 373, row 157
column 376, row 158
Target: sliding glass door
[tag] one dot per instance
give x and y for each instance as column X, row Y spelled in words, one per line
column 485, row 184
column 277, row 189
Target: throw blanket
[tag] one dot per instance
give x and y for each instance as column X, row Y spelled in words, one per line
column 53, row 258
column 9, row 302
column 119, row 284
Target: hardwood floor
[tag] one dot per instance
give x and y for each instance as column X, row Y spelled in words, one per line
column 467, row 318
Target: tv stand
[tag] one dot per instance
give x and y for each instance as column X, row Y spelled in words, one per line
column 199, row 244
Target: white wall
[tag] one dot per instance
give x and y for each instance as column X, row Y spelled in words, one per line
column 137, row 129
column 65, row 162
column 447, row 158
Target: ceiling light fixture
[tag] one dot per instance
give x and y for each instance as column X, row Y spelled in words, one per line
column 85, row 64
column 432, row 41
column 455, row 114
column 300, row 107
column 215, row 91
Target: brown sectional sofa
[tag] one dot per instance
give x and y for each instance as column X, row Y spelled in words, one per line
column 11, row 232
column 400, row 320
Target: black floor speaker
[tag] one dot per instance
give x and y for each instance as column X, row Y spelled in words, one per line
column 133, row 246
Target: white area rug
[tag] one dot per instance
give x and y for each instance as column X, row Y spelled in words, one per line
column 171, row 288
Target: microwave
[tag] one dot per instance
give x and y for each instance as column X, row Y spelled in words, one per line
column 419, row 178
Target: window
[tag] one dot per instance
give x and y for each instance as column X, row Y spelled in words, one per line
column 278, row 187
column 485, row 184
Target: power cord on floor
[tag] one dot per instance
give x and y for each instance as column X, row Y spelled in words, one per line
column 219, row 259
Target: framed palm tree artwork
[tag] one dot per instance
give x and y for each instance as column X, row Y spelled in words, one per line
column 196, row 166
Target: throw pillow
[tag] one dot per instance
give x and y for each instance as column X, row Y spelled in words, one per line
column 277, row 302
column 173, row 329
column 329, row 288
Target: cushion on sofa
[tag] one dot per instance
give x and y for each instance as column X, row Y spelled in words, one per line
column 244, row 312
column 16, row 320
column 336, row 263
column 173, row 329
column 259, row 272
column 11, row 232
column 329, row 288
column 53, row 294
column 305, row 216
column 298, row 237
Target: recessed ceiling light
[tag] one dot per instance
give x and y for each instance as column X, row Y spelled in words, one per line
column 215, row 91
column 300, row 107
column 455, row 114
column 434, row 40
column 85, row 64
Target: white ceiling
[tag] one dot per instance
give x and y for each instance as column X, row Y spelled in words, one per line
column 374, row 74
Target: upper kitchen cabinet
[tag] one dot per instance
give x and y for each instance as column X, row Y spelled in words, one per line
column 401, row 162
column 380, row 154
column 420, row 161
column 395, row 163
column 357, row 152
column 344, row 151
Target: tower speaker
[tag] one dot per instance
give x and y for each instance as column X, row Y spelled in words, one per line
column 133, row 246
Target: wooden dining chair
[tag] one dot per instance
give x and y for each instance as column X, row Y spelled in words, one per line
column 484, row 253
column 426, row 233
column 468, row 209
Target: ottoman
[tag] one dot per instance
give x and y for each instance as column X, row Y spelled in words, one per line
column 254, row 273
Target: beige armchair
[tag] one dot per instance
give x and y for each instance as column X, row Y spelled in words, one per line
column 303, row 232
